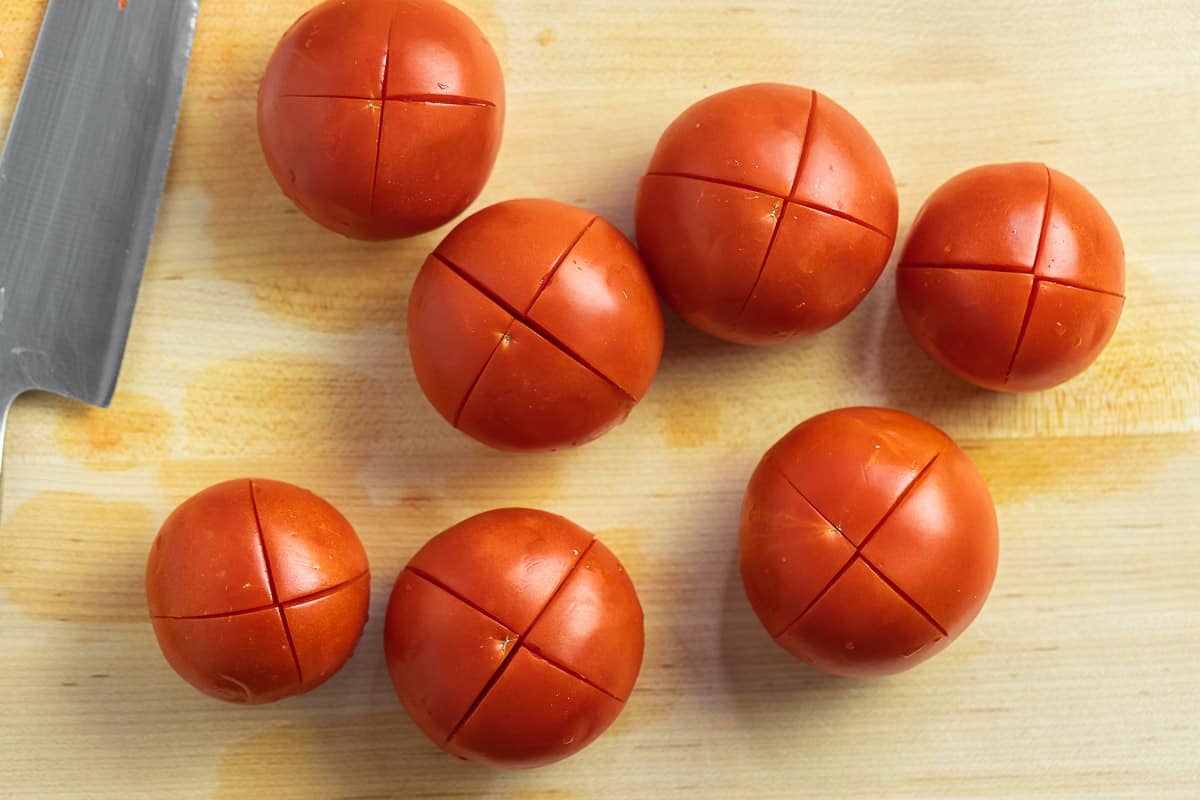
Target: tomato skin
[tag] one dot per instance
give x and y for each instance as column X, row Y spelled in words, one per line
column 767, row 212
column 1013, row 277
column 534, row 326
column 513, row 638
column 868, row 541
column 382, row 118
column 257, row 590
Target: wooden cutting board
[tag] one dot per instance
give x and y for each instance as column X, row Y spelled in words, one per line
column 263, row 345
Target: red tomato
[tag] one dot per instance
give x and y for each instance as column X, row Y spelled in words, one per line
column 767, row 212
column 382, row 118
column 868, row 541
column 534, row 326
column 513, row 638
column 258, row 590
column 1013, row 277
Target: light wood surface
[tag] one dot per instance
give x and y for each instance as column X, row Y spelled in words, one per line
column 263, row 345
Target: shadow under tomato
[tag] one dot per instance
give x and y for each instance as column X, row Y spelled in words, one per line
column 685, row 342
column 429, row 465
column 907, row 378
column 710, row 392
column 115, row 696
column 763, row 680
column 685, row 345
column 348, row 738
column 716, row 658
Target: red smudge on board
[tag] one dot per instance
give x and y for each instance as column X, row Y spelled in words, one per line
column 121, row 4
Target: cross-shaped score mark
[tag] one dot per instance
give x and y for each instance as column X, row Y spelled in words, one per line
column 281, row 607
column 858, row 555
column 513, row 642
column 522, row 316
column 779, row 209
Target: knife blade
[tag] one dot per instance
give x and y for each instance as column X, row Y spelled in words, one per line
column 81, row 176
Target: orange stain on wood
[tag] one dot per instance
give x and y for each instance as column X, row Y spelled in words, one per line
column 71, row 557
column 135, row 430
column 286, row 407
column 1085, row 467
column 20, row 34
column 693, row 424
column 288, row 417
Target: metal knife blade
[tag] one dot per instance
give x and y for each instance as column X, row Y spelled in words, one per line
column 81, row 177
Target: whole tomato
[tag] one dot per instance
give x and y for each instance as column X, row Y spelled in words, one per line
column 868, row 541
column 257, row 589
column 513, row 638
column 767, row 212
column 534, row 326
column 1013, row 277
column 382, row 118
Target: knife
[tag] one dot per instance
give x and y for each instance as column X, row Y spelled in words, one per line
column 81, row 177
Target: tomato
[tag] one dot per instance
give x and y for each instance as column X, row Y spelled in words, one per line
column 767, row 212
column 1013, row 277
column 257, row 589
column 513, row 638
column 868, row 541
column 382, row 118
column 534, row 326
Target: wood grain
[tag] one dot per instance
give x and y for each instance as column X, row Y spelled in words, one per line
column 263, row 345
